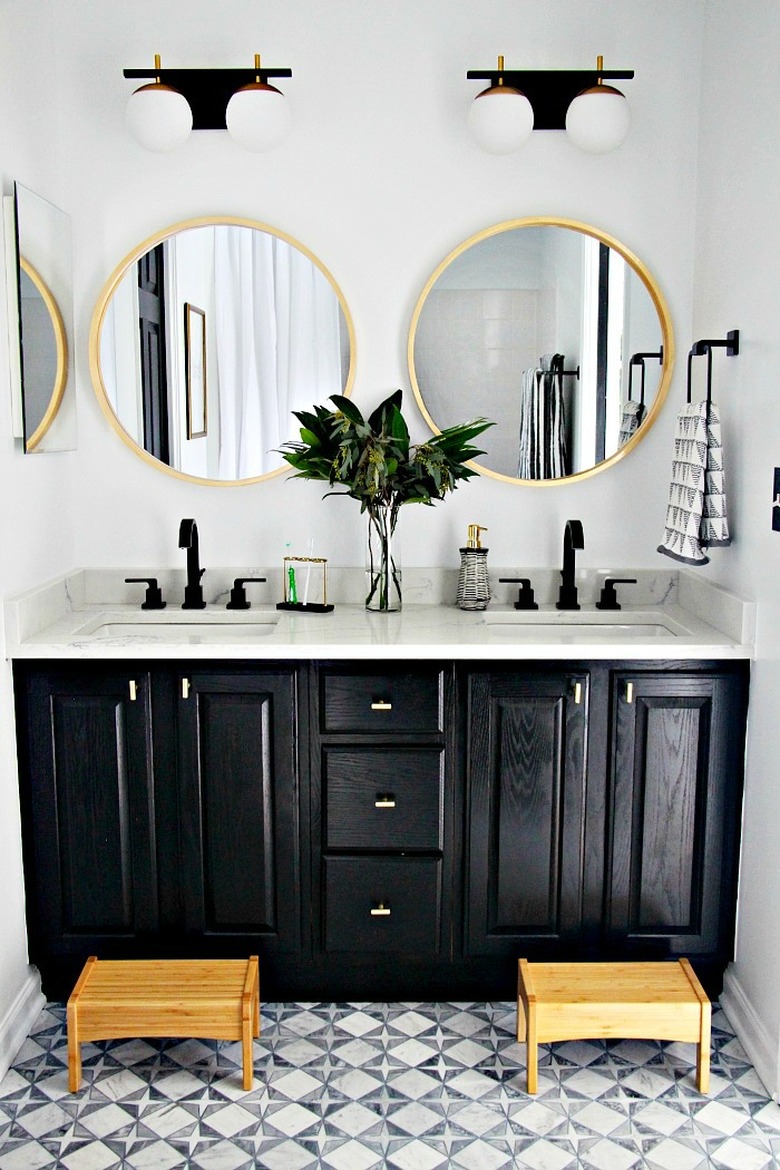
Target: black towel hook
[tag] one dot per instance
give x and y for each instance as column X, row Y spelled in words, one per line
column 699, row 348
column 638, row 359
column 560, row 370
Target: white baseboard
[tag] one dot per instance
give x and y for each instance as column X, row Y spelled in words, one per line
column 18, row 1020
column 759, row 1044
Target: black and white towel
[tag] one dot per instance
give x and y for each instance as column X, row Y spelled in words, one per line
column 542, row 442
column 696, row 515
column 630, row 420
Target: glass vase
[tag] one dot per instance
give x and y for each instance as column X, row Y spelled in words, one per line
column 383, row 560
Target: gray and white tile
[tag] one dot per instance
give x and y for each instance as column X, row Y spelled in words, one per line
column 408, row 1086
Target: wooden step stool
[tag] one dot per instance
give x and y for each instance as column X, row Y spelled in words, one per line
column 639, row 1001
column 218, row 999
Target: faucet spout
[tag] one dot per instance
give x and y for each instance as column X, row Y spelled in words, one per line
column 193, row 590
column 573, row 538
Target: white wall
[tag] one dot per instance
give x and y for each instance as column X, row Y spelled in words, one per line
column 737, row 285
column 380, row 179
column 37, row 518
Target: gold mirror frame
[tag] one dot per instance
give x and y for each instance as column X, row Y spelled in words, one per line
column 108, row 290
column 664, row 318
column 61, row 343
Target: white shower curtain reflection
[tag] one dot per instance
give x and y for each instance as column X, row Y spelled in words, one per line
column 265, row 369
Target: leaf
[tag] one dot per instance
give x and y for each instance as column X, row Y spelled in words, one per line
column 398, row 428
column 378, row 420
column 347, row 407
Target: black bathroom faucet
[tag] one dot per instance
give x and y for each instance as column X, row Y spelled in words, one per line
column 573, row 537
column 193, row 590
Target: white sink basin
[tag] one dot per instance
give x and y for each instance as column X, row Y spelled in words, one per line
column 186, row 626
column 581, row 626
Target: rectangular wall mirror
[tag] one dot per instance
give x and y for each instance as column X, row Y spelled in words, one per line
column 40, row 321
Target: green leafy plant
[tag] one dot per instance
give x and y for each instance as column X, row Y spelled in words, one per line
column 374, row 462
column 374, row 459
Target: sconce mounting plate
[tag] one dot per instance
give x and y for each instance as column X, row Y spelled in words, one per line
column 208, row 91
column 550, row 91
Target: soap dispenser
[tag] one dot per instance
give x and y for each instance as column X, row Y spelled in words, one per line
column 473, row 583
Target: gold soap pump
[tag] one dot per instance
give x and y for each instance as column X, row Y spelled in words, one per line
column 473, row 581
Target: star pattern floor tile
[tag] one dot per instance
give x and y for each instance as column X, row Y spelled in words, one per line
column 357, row 1086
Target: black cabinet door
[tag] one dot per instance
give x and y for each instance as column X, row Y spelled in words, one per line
column 525, row 750
column 676, row 780
column 238, row 799
column 88, row 794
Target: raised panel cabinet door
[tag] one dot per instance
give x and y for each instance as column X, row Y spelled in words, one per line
column 676, row 782
column 238, row 783
column 91, row 867
column 526, row 744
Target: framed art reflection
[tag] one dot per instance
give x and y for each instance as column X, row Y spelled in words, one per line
column 195, row 350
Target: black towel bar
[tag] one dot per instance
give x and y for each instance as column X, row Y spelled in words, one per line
column 638, row 359
column 705, row 347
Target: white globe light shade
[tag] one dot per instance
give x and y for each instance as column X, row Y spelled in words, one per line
column 598, row 119
column 158, row 117
column 501, row 119
column 258, row 116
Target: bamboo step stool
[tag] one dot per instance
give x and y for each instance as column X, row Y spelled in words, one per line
column 218, row 999
column 636, row 1001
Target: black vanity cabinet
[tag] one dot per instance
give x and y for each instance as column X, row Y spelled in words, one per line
column 389, row 831
column 89, row 817
column 677, row 742
column 602, row 813
column 526, row 776
column 240, row 860
column 161, row 813
column 383, row 870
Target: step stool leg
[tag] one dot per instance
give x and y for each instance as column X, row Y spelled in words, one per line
column 256, row 1002
column 74, row 1051
column 532, row 1053
column 247, row 1023
column 703, row 1050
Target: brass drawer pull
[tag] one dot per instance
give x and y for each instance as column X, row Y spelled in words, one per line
column 384, row 800
column 380, row 911
column 381, row 705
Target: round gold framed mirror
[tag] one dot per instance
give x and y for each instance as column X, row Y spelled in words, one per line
column 555, row 331
column 44, row 350
column 207, row 336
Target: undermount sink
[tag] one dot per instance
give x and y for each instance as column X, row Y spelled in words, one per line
column 581, row 626
column 188, row 626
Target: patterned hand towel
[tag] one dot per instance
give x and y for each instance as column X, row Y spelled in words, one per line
column 631, row 418
column 542, row 441
column 696, row 513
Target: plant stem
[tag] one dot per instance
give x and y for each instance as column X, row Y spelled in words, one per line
column 384, row 591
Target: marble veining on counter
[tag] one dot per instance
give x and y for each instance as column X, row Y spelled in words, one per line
column 94, row 614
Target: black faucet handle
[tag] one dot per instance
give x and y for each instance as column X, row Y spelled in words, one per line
column 238, row 598
column 608, row 599
column 525, row 594
column 154, row 597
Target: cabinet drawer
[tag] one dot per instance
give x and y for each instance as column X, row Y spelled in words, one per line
column 383, row 800
column 402, row 892
column 380, row 703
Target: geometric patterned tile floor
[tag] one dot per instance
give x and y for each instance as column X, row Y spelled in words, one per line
column 413, row 1086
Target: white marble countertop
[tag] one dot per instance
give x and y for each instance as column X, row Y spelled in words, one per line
column 68, row 619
